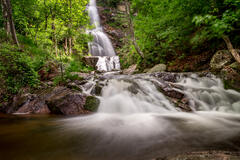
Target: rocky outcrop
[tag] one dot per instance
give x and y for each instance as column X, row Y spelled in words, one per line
column 70, row 104
column 58, row 100
column 223, row 65
column 158, row 68
column 221, row 59
column 231, row 77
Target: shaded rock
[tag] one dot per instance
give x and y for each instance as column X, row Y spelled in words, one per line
column 221, row 59
column 92, row 104
column 97, row 89
column 174, row 94
column 158, row 68
column 231, row 77
column 130, row 70
column 133, row 88
column 36, row 106
column 64, row 101
column 19, row 101
column 182, row 104
column 166, row 76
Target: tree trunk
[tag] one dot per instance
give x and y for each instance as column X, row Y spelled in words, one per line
column 70, row 45
column 54, row 36
column 231, row 49
column 131, row 27
column 5, row 19
column 70, row 26
column 46, row 16
column 7, row 6
column 65, row 46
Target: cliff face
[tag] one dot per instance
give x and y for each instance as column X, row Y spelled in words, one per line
column 113, row 22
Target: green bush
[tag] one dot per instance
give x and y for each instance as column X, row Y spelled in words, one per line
column 16, row 70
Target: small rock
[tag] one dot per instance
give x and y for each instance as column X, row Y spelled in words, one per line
column 158, row 68
column 130, row 70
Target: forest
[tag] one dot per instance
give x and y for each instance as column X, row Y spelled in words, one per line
column 120, row 79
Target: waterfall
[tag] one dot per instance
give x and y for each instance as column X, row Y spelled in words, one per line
column 101, row 45
column 136, row 121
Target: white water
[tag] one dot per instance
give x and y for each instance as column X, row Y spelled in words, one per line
column 101, row 45
column 147, row 124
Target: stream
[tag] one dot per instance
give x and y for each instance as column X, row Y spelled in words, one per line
column 131, row 123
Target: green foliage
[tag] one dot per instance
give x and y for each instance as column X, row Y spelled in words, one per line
column 220, row 20
column 112, row 3
column 49, row 23
column 166, row 30
column 16, row 69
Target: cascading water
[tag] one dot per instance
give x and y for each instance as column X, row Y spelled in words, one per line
column 101, row 45
column 135, row 121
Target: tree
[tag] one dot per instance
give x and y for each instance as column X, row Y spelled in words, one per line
column 8, row 16
column 221, row 21
column 131, row 28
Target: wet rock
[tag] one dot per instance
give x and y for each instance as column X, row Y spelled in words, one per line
column 92, row 103
column 133, row 89
column 18, row 101
column 158, row 68
column 174, row 94
column 221, row 59
column 36, row 106
column 66, row 102
column 166, row 76
column 231, row 77
column 130, row 70
column 97, row 89
column 182, row 104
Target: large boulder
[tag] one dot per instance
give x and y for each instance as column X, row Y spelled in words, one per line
column 158, row 68
column 58, row 100
column 65, row 101
column 231, row 77
column 221, row 59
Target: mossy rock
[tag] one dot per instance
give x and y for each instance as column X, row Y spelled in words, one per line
column 97, row 90
column 235, row 66
column 92, row 103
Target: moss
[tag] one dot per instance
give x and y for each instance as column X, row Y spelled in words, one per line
column 92, row 103
column 230, row 84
